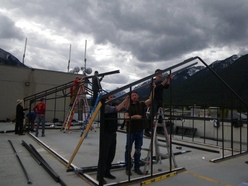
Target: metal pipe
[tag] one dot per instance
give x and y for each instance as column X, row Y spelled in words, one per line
column 47, row 167
column 44, row 164
column 23, row 168
column 139, row 88
column 146, row 78
column 101, row 142
column 104, row 74
column 31, row 152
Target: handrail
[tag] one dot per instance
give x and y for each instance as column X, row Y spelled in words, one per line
column 145, row 85
column 146, row 78
column 168, row 69
column 49, row 91
column 62, row 87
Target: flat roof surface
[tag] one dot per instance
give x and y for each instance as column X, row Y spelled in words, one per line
column 198, row 170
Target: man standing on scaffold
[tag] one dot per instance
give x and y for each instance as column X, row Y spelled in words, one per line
column 96, row 87
column 158, row 96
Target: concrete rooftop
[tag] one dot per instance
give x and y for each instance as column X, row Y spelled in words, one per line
column 198, row 170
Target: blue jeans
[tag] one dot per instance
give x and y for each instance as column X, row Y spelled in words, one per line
column 41, row 119
column 136, row 137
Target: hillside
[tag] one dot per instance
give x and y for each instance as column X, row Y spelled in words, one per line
column 204, row 88
column 198, row 85
column 8, row 59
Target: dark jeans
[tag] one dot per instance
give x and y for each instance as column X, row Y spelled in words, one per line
column 19, row 126
column 154, row 109
column 109, row 151
column 136, row 137
column 95, row 94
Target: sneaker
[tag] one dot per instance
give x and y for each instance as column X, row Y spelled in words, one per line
column 43, row 135
column 36, row 135
column 103, row 180
column 138, row 171
column 128, row 172
column 108, row 175
column 21, row 134
column 148, row 134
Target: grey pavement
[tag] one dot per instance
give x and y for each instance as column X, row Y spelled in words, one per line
column 198, row 169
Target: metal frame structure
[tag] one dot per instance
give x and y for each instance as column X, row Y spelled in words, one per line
column 64, row 89
column 130, row 87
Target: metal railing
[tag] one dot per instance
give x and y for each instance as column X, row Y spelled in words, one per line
column 217, row 121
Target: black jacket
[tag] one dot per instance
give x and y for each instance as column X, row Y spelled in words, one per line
column 96, row 85
column 19, row 112
column 136, row 125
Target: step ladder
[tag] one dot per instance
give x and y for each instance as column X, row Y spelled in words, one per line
column 92, row 110
column 72, row 109
column 85, row 107
column 158, row 145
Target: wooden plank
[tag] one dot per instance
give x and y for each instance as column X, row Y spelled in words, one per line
column 85, row 133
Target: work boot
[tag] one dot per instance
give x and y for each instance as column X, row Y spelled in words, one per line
column 138, row 171
column 128, row 172
column 103, row 180
column 108, row 175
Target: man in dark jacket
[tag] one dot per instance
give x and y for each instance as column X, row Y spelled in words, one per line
column 158, row 95
column 96, row 87
column 19, row 117
column 110, row 129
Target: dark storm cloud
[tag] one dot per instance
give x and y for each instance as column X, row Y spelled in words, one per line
column 230, row 18
column 144, row 34
column 191, row 28
column 8, row 29
column 150, row 30
column 159, row 30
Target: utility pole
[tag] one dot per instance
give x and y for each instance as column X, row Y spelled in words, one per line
column 24, row 51
column 85, row 57
column 68, row 68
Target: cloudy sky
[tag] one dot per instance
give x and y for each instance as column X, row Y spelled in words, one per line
column 135, row 37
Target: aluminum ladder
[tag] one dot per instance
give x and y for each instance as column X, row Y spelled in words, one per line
column 158, row 145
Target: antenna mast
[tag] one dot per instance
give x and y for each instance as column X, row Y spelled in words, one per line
column 68, row 68
column 24, row 51
column 85, row 56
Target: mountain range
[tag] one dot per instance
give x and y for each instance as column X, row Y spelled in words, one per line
column 223, row 82
column 7, row 58
column 210, row 86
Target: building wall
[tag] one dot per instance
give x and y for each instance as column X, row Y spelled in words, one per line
column 13, row 81
column 206, row 129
